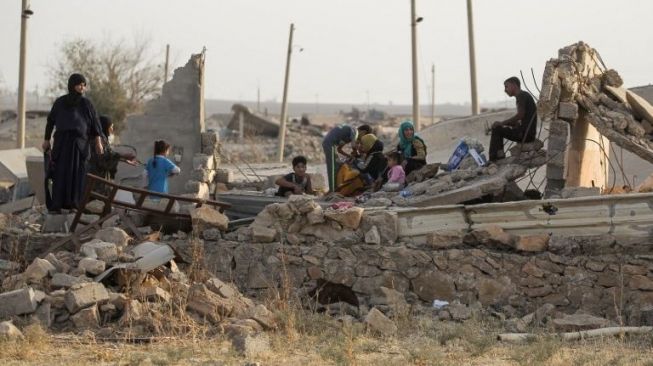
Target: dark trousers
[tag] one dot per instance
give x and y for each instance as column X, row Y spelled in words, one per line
column 504, row 132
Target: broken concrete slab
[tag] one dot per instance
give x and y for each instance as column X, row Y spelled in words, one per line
column 83, row 295
column 378, row 323
column 17, row 302
column 205, row 217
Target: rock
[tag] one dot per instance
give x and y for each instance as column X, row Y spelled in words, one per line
column 92, row 266
column 205, row 217
column 154, row 294
column 62, row 280
column 532, row 243
column 379, row 323
column 39, row 269
column 386, row 222
column 88, row 318
column 6, row 265
column 316, row 216
column 250, row 345
column 372, row 236
column 459, row 312
column 443, row 239
column 392, row 298
column 208, row 304
column 434, row 285
column 9, row 331
column 133, row 312
column 225, row 290
column 113, row 235
column 491, row 235
column 59, row 265
column 84, row 295
column 263, row 316
column 302, row 204
column 640, row 282
column 104, row 251
column 348, row 217
column 212, row 234
column 579, row 321
column 491, row 292
column 262, row 234
column 17, row 302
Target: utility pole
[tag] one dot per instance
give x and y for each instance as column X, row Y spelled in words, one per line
column 165, row 69
column 284, row 102
column 413, row 27
column 472, row 57
column 24, row 14
column 258, row 97
column 432, row 94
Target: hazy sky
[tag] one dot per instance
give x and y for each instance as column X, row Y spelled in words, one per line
column 352, row 48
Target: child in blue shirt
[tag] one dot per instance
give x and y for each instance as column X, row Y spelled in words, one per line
column 159, row 168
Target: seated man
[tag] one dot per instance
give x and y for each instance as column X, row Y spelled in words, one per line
column 521, row 127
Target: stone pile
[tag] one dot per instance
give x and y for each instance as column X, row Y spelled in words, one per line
column 260, row 149
column 577, row 86
column 114, row 288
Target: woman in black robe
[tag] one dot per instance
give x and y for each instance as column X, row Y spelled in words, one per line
column 76, row 127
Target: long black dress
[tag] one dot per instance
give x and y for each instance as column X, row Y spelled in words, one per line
column 76, row 123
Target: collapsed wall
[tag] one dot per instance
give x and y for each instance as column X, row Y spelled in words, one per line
column 177, row 117
column 353, row 256
column 587, row 108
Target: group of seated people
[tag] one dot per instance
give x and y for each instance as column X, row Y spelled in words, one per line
column 376, row 169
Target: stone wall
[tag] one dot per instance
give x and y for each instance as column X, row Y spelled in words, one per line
column 594, row 275
column 176, row 117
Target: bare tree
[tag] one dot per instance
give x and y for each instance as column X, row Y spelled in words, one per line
column 121, row 77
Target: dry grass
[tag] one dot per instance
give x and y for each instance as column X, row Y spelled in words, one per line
column 321, row 340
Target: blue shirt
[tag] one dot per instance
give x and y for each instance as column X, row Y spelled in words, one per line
column 158, row 169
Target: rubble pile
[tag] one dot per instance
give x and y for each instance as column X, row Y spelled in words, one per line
column 577, row 85
column 300, row 140
column 117, row 289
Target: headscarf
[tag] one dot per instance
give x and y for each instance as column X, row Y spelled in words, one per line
column 73, row 96
column 406, row 144
column 367, row 141
column 105, row 123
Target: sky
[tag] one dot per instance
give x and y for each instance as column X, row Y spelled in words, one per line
column 354, row 51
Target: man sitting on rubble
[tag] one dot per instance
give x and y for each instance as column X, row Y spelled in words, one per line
column 521, row 127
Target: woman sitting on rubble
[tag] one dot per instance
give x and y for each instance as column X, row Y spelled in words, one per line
column 411, row 148
column 373, row 163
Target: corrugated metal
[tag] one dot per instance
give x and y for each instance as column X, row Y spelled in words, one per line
column 627, row 216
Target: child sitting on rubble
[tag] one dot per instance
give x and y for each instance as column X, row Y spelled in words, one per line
column 159, row 168
column 396, row 175
column 297, row 182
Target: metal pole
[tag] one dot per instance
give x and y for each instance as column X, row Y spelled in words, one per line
column 432, row 94
column 472, row 57
column 165, row 69
column 241, row 126
column 413, row 25
column 24, row 14
column 284, row 103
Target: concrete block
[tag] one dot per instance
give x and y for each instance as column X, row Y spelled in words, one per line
column 555, row 172
column 97, row 249
column 92, row 266
column 113, row 235
column 203, row 175
column 559, row 128
column 39, row 269
column 57, row 223
column 196, row 187
column 203, row 161
column 84, row 295
column 568, row 111
column 88, row 318
column 62, row 280
column 225, row 176
column 17, row 302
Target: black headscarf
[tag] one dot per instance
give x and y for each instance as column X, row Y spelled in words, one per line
column 105, row 123
column 73, row 97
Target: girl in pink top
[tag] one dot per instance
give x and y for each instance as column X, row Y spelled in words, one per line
column 396, row 174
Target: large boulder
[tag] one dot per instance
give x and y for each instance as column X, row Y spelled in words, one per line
column 347, row 217
column 205, row 217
